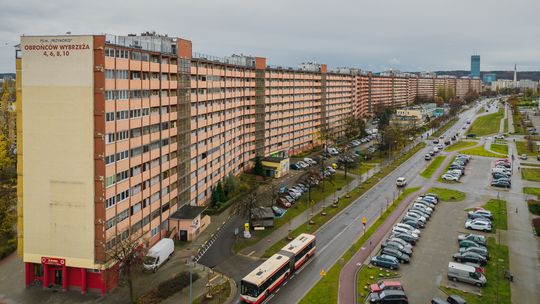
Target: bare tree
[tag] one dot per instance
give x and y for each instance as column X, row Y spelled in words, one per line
column 128, row 254
column 248, row 207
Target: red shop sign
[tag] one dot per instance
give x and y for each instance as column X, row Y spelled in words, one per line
column 53, row 261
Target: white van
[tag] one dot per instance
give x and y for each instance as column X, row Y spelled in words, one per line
column 158, row 254
column 465, row 273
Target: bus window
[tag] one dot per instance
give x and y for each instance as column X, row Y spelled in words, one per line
column 249, row 289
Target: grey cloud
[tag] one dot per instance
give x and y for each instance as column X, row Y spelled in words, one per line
column 433, row 34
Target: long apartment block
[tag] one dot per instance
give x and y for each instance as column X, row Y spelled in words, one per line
column 126, row 136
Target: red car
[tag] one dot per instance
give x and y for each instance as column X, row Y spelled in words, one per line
column 384, row 285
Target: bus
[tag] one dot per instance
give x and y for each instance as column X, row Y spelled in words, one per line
column 259, row 283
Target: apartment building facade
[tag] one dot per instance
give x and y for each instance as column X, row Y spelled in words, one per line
column 123, row 137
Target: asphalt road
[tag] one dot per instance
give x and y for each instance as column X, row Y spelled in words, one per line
column 338, row 235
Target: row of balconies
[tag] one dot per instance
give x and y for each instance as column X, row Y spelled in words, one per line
column 115, row 63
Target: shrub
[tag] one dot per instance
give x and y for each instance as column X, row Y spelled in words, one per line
column 7, row 247
column 536, row 225
column 534, row 206
column 168, row 288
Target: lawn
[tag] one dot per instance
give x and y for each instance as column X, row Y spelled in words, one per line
column 518, row 127
column 500, row 215
column 497, row 287
column 531, row 174
column 480, row 151
column 317, row 194
column 522, row 148
column 433, row 166
column 320, row 219
column 362, row 168
column 487, row 124
column 326, row 290
column 448, row 195
column 368, row 275
column 498, row 148
column 219, row 294
column 506, row 125
column 460, row 145
column 445, row 127
column 533, row 204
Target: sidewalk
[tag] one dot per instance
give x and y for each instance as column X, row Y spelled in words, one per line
column 523, row 245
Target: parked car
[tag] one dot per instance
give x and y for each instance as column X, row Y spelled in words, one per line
column 158, row 254
column 478, row 224
column 412, row 223
column 468, row 243
column 438, row 301
column 397, row 246
column 400, row 241
column 403, row 230
column 469, row 257
column 310, row 161
column 295, row 167
column 385, row 285
column 401, row 181
column 450, row 177
column 465, row 273
column 283, row 202
column 408, row 227
column 455, row 299
column 302, row 164
column 523, row 156
column 427, row 157
column 402, row 257
column 388, row 296
column 480, row 213
column 478, row 250
column 406, row 237
column 477, row 238
column 417, row 215
column 385, row 261
column 277, row 211
column 501, row 183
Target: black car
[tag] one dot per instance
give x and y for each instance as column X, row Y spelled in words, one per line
column 499, row 175
column 455, row 299
column 388, row 296
column 469, row 257
column 402, row 257
column 436, row 141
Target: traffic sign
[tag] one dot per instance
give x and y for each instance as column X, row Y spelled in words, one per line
column 364, row 220
column 322, row 273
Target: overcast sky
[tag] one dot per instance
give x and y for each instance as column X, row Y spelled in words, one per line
column 410, row 35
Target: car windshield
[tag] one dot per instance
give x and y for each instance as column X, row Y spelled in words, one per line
column 150, row 260
column 249, row 289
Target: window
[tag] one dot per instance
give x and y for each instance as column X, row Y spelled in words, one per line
column 109, row 52
column 109, row 116
column 110, row 180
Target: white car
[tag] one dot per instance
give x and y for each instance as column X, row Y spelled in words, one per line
column 455, row 172
column 401, row 181
column 331, row 170
column 435, row 149
column 477, row 224
column 450, row 177
column 310, row 161
column 416, row 215
column 408, row 227
column 302, row 164
column 403, row 230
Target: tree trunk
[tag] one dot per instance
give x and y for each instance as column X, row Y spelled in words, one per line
column 130, row 285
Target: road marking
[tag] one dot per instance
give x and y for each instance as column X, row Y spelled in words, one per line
column 249, row 254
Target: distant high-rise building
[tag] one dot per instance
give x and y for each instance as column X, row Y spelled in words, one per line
column 475, row 66
column 515, row 75
column 488, row 78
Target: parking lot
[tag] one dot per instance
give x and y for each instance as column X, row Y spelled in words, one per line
column 428, row 268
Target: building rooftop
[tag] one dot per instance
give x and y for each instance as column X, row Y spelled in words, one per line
column 187, row 212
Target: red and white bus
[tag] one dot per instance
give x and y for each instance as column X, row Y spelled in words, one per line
column 258, row 284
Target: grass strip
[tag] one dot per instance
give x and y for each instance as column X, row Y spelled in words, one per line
column 448, row 195
column 368, row 275
column 499, row 148
column 497, row 289
column 446, row 169
column 326, row 290
column 219, row 294
column 433, row 166
column 531, row 174
column 445, row 127
column 460, row 145
column 487, row 124
column 500, row 215
column 318, row 193
column 480, row 151
column 523, row 148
